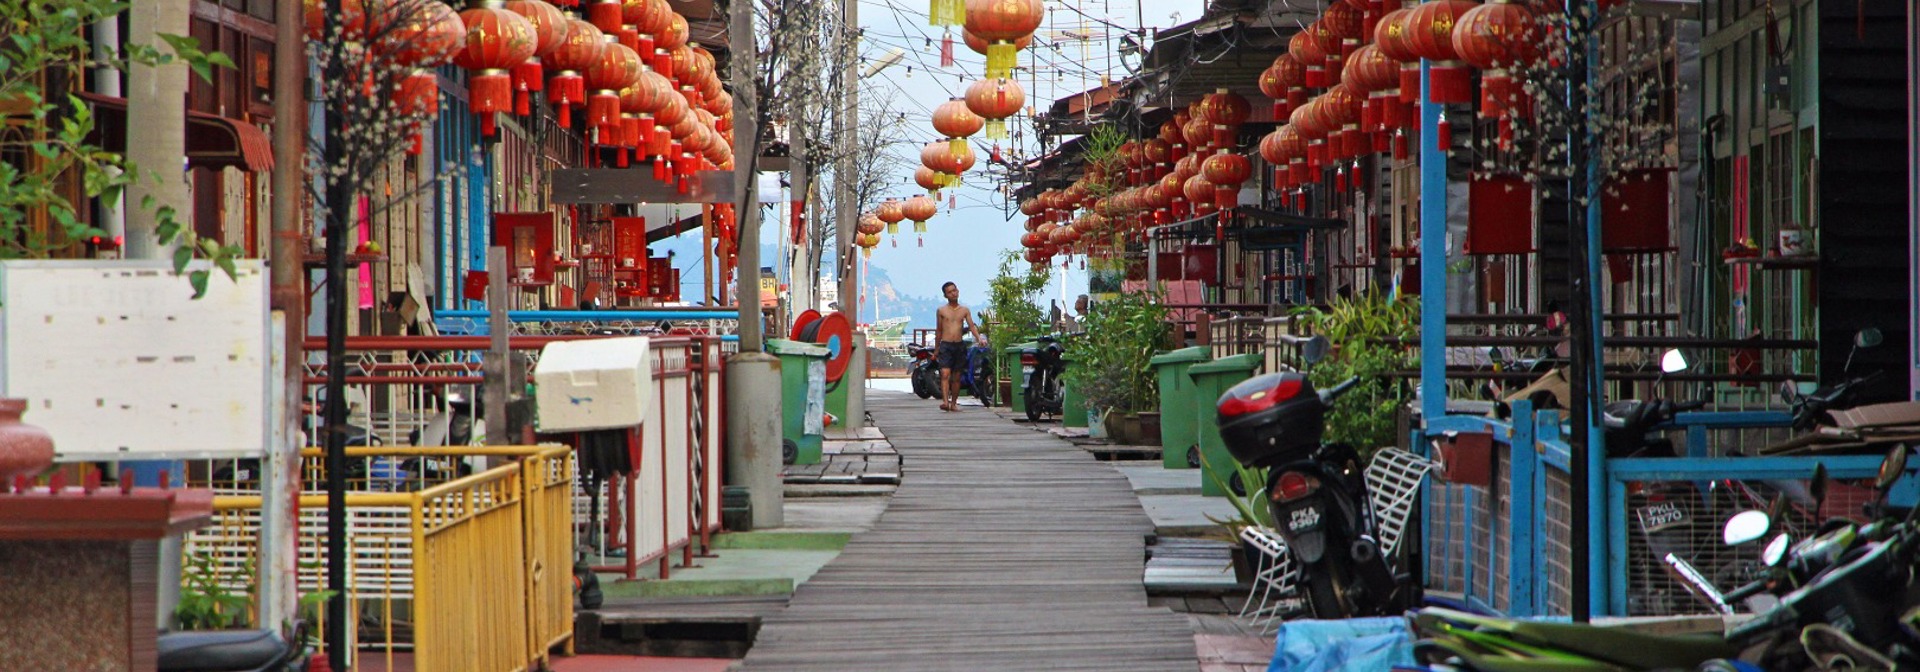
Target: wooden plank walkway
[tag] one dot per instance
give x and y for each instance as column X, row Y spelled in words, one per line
column 1002, row 549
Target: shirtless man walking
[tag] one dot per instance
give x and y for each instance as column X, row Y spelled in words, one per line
column 951, row 354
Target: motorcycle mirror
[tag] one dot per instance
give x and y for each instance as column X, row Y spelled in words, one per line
column 1746, row 526
column 1891, row 467
column 1673, row 361
column 1776, row 550
column 1868, row 338
column 1315, row 349
column 1789, row 393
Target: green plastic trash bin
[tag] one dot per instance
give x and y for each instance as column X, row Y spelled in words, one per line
column 1016, row 372
column 1073, row 405
column 1179, row 431
column 803, row 392
column 1210, row 380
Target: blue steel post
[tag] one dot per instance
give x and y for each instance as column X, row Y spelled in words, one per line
column 1522, row 560
column 1596, row 440
column 1433, row 255
column 1433, row 281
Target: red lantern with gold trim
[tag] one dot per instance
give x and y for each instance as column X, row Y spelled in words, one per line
column 497, row 40
column 919, row 208
column 956, row 121
column 550, row 29
column 1498, row 37
column 1306, row 50
column 1225, row 112
column 1226, row 170
column 1001, row 23
column 1430, row 34
column 995, row 100
column 577, row 54
column 890, row 213
column 1341, row 30
column 618, row 69
column 979, row 46
column 1157, row 156
column 1392, row 36
column 644, row 19
column 1372, row 74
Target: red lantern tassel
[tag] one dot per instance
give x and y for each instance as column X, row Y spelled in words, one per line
column 1340, row 179
column 662, row 168
column 646, row 44
column 663, row 63
column 946, row 50
column 1444, row 138
column 1400, row 145
column 1381, row 141
column 603, row 109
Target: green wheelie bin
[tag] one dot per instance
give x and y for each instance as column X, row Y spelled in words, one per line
column 803, row 392
column 1179, row 431
column 1073, row 405
column 1210, row 380
column 1014, row 371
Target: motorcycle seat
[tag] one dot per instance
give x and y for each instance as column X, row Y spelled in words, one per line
column 219, row 650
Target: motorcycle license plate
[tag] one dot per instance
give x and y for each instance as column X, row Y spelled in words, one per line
column 1304, row 518
column 1026, row 372
column 1661, row 516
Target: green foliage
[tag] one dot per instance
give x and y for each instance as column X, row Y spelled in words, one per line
column 206, row 604
column 1014, row 316
column 1252, row 507
column 1110, row 360
column 48, row 37
column 1102, row 148
column 1364, row 417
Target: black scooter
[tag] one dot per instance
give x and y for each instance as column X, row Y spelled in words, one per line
column 1317, row 494
column 1044, row 365
column 924, row 372
column 234, row 651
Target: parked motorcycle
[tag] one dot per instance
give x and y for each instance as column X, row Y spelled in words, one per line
column 977, row 377
column 1317, row 494
column 924, row 372
column 234, row 651
column 1847, row 599
column 1043, row 367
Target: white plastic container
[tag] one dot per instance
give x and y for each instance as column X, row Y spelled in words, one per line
column 604, row 383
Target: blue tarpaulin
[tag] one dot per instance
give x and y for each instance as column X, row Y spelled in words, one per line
column 1352, row 644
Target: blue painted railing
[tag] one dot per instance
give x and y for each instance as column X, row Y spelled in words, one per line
column 1534, row 452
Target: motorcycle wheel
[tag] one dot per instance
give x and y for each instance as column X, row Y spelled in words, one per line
column 920, row 384
column 982, row 381
column 1326, row 589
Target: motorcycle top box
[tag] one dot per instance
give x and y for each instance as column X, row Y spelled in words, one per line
column 1271, row 419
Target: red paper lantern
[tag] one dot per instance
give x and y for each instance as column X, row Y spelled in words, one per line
column 956, row 121
column 1001, row 23
column 550, row 29
column 979, row 46
column 1372, row 73
column 429, row 35
column 1226, row 171
column 1430, row 35
column 995, row 100
column 1498, row 37
column 618, row 69
column 497, row 40
column 1307, row 51
column 1225, row 112
column 578, row 53
column 1342, row 28
column 645, row 19
column 919, row 208
column 928, row 179
column 1392, row 36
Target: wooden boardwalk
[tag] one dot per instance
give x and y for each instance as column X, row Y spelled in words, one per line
column 1002, row 549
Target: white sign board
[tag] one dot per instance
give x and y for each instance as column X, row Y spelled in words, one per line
column 118, row 361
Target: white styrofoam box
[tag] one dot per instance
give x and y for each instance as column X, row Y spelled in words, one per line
column 604, row 383
column 119, row 362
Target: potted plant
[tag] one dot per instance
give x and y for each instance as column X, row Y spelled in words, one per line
column 1110, row 361
column 1365, row 416
column 1012, row 317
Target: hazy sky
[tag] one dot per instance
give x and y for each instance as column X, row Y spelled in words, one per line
column 963, row 245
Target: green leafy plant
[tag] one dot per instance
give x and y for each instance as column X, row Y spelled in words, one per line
column 1110, row 367
column 206, row 603
column 1251, row 508
column 1013, row 316
column 44, row 44
column 1365, row 416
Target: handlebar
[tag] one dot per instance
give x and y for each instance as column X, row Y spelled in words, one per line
column 1332, row 393
column 1751, row 589
column 1779, row 617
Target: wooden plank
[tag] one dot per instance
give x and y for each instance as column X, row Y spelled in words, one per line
column 1003, row 549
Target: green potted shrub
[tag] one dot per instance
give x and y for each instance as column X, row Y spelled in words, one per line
column 1364, row 417
column 1110, row 362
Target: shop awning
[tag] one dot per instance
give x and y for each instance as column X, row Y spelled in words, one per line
column 213, row 141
